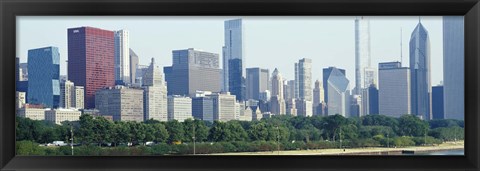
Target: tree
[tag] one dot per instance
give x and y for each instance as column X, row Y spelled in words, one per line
column 175, row 130
column 218, row 132
column 412, row 126
column 332, row 124
column 160, row 133
column 258, row 132
column 235, row 132
column 86, row 131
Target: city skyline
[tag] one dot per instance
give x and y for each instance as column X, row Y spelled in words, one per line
column 212, row 27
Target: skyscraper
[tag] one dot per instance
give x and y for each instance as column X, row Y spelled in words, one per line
column 133, row 66
column 91, row 60
column 256, row 82
column 437, row 102
column 290, row 89
column 338, row 93
column 277, row 101
column 67, row 94
column 155, row 94
column 318, row 96
column 193, row 70
column 44, row 74
column 179, row 108
column 420, row 72
column 370, row 100
column 394, row 89
column 362, row 52
column 453, row 67
column 233, row 49
column 122, row 57
column 223, row 106
column 326, row 75
column 303, row 79
column 202, row 108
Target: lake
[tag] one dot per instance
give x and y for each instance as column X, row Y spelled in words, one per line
column 446, row 152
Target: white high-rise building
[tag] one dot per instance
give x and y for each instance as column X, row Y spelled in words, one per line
column 78, row 101
column 453, row 67
column 277, row 101
column 21, row 99
column 122, row 56
column 179, row 108
column 155, row 94
column 362, row 53
column 233, row 48
column 303, row 79
column 394, row 89
column 67, row 94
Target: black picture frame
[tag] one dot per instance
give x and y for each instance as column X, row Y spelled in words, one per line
column 9, row 9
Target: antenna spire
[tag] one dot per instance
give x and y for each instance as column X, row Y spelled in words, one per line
column 401, row 48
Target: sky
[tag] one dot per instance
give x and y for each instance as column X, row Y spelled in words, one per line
column 270, row 41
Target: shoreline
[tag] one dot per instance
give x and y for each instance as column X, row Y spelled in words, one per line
column 359, row 151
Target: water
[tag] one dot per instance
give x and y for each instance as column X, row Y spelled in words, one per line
column 446, row 152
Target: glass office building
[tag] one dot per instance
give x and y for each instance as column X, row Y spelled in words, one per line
column 44, row 74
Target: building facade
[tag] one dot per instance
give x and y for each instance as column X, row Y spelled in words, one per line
column 133, row 66
column 155, row 94
column 362, row 53
column 318, row 97
column 193, row 70
column 338, row 93
column 277, row 101
column 120, row 102
column 232, row 49
column 303, row 79
column 122, row 57
column 44, row 75
column 58, row 116
column 179, row 108
column 438, row 102
column 223, row 106
column 256, row 82
column 420, row 73
column 67, row 94
column 91, row 60
column 32, row 113
column 394, row 89
column 453, row 67
column 202, row 108
column 370, row 100
column 326, row 75
column 21, row 99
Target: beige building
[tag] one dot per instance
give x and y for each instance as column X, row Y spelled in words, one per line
column 223, row 106
column 179, row 108
column 71, row 96
column 122, row 103
column 58, row 116
column 155, row 95
column 31, row 113
column 291, row 107
column 277, row 102
column 79, row 97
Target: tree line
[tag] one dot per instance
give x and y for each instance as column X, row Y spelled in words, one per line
column 285, row 132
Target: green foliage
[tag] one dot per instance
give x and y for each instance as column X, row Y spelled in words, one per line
column 175, row 130
column 28, row 148
column 448, row 133
column 403, row 141
column 412, row 126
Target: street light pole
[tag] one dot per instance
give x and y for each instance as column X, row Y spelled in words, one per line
column 71, row 133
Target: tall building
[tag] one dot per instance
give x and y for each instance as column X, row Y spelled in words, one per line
column 122, row 57
column 79, row 97
column 420, row 73
column 155, row 94
column 232, row 49
column 33, row 113
column 120, row 102
column 91, row 60
column 133, row 66
column 193, row 70
column 141, row 69
column 236, row 81
column 67, row 94
column 23, row 69
column 338, row 93
column 223, row 106
column 21, row 99
column 202, row 108
column 303, row 79
column 326, row 75
column 17, row 69
column 438, row 102
column 362, row 53
column 291, row 107
column 179, row 108
column 290, row 89
column 256, row 82
column 44, row 74
column 394, row 89
column 370, row 100
column 318, row 96
column 277, row 101
column 453, row 67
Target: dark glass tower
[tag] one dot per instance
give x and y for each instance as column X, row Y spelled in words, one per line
column 44, row 74
column 236, row 82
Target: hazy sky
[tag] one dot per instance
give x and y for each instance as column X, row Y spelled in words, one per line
column 269, row 41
